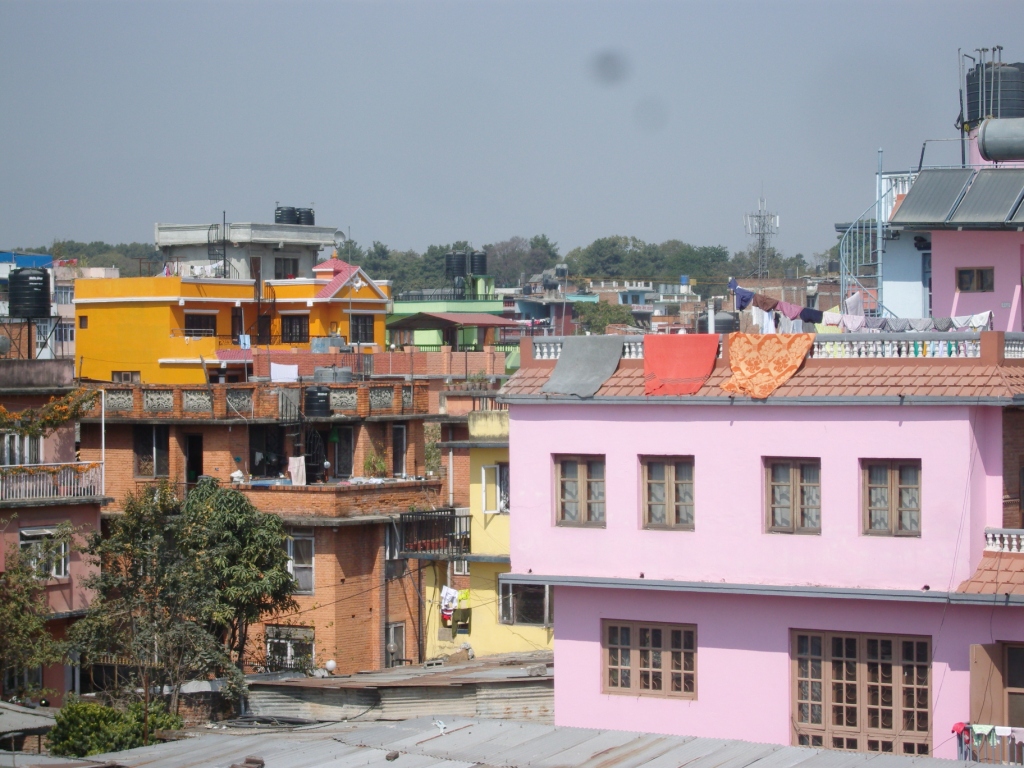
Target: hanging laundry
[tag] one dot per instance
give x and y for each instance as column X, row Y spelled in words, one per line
column 449, row 602
column 678, row 364
column 809, row 315
column 961, row 321
column 792, row 311
column 761, row 364
column 297, row 469
column 959, row 728
column 798, row 326
column 852, row 323
column 943, row 323
column 463, row 597
column 876, row 323
column 922, row 324
column 1003, row 731
column 899, row 325
column 244, row 341
column 854, row 304
column 785, row 324
column 767, row 303
column 822, row 328
column 981, row 732
column 584, row 365
column 832, row 318
column 981, row 321
column 768, row 323
column 743, row 298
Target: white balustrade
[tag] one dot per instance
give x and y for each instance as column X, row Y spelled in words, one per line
column 1004, row 540
column 31, row 482
column 835, row 346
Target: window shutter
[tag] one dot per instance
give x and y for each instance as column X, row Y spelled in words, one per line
column 987, row 684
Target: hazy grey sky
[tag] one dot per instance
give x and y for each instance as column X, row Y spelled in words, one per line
column 426, row 122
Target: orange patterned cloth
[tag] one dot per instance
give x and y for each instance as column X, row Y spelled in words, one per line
column 763, row 363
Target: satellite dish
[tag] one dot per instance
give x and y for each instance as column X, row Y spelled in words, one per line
column 339, row 238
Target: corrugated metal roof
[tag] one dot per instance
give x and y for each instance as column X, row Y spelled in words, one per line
column 992, row 197
column 932, row 196
column 468, row 743
column 18, row 719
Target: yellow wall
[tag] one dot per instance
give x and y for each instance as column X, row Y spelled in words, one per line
column 135, row 335
column 489, row 533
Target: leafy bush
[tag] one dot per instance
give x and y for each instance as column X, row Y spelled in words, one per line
column 84, row 728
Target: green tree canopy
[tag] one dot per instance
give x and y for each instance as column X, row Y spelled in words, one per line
column 596, row 316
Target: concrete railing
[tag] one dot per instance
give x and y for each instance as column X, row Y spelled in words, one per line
column 896, row 345
column 1004, row 540
column 48, row 482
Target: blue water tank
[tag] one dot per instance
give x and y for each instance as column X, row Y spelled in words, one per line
column 684, row 279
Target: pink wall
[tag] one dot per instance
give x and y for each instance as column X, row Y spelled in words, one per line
column 1003, row 251
column 743, row 676
column 64, row 594
column 961, row 492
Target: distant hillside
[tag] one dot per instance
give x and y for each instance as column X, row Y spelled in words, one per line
column 124, row 256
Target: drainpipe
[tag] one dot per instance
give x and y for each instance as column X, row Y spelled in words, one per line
column 103, row 441
column 451, row 468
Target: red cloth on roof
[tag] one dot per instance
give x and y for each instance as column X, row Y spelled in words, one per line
column 678, row 364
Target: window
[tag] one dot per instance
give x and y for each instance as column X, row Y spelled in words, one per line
column 200, row 325
column 237, row 324
column 580, row 489
column 290, row 647
column 494, row 488
column 19, row 681
column 16, row 449
column 49, row 557
column 460, row 567
column 65, row 331
column 64, row 294
column 975, row 280
column 285, row 269
column 125, row 377
column 362, row 329
column 668, row 492
column 83, row 322
column 866, row 693
column 794, row 495
column 1015, row 686
column 151, row 445
column 531, row 604
column 299, row 545
column 394, row 564
column 892, row 498
column 294, row 329
column 643, row 659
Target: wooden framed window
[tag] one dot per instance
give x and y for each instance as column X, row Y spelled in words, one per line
column 862, row 693
column 1015, row 685
column 794, row 495
column 668, row 492
column 83, row 322
column 362, row 329
column 892, row 497
column 975, row 280
column 300, row 545
column 645, row 659
column 294, row 329
column 529, row 604
column 151, row 444
column 580, row 488
column 197, row 324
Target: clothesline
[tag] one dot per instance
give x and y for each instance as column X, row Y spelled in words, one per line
column 774, row 316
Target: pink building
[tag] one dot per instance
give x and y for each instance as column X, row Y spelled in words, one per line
column 42, row 487
column 839, row 565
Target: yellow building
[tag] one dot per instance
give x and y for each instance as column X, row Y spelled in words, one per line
column 182, row 329
column 490, row 618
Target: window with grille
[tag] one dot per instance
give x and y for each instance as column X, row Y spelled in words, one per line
column 285, row 268
column 290, row 647
column 300, row 547
column 295, row 329
column 531, row 604
column 362, row 329
column 668, row 492
column 151, row 445
column 892, row 498
column 647, row 659
column 200, row 325
column 794, row 495
column 126, row 377
column 863, row 693
column 49, row 557
column 580, row 489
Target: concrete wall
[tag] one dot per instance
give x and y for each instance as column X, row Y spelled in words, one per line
column 903, row 293
column 960, row 450
column 743, row 674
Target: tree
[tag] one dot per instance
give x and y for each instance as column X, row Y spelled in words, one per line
column 25, row 639
column 240, row 551
column 596, row 316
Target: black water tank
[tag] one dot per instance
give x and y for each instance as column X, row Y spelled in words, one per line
column 306, row 217
column 478, row 263
column 527, row 290
column 1003, row 94
column 286, row 216
column 318, row 401
column 29, row 293
column 449, row 265
column 460, row 264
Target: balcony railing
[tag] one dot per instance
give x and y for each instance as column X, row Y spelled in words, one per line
column 51, row 482
column 992, row 748
column 441, row 534
column 1004, row 540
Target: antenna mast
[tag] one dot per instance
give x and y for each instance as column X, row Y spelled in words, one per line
column 762, row 226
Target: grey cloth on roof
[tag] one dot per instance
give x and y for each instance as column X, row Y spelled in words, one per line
column 585, row 363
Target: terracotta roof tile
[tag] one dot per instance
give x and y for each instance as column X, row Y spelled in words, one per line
column 998, row 573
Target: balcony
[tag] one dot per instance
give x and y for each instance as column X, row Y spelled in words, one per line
column 440, row 534
column 33, row 484
column 1004, row 540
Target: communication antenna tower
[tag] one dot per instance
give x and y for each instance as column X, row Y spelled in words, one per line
column 763, row 226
